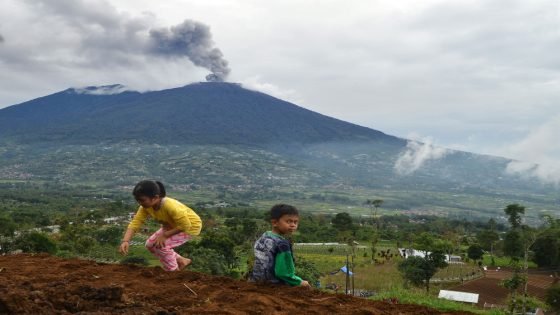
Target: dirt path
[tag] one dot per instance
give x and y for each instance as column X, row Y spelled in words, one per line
column 41, row 284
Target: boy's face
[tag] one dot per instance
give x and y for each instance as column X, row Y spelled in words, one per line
column 286, row 225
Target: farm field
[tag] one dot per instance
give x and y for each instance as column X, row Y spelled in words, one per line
column 381, row 276
column 491, row 292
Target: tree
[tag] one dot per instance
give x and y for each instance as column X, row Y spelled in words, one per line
column 551, row 221
column 487, row 238
column 553, row 297
column 7, row 226
column 475, row 252
column 512, row 284
column 513, row 244
column 342, row 221
column 514, row 212
column 419, row 270
column 491, row 224
column 425, row 241
column 222, row 244
column 529, row 238
column 249, row 229
column 444, row 245
column 374, row 204
column 374, row 240
column 546, row 249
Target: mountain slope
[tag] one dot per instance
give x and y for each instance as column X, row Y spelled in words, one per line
column 221, row 138
column 202, row 113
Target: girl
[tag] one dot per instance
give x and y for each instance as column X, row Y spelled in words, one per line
column 178, row 224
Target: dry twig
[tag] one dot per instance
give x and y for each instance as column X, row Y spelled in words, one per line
column 190, row 289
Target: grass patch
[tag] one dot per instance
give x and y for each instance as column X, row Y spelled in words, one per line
column 502, row 261
column 325, row 263
column 368, row 277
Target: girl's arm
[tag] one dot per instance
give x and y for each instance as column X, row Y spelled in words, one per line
column 160, row 240
column 126, row 241
column 133, row 226
column 128, row 235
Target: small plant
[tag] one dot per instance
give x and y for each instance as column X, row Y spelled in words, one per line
column 135, row 260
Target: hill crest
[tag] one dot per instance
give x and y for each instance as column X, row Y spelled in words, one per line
column 42, row 284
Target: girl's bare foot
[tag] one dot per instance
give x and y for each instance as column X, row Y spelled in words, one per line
column 182, row 262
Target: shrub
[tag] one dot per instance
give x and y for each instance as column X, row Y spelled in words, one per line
column 209, row 261
column 35, row 242
column 135, row 260
column 553, row 297
column 307, row 271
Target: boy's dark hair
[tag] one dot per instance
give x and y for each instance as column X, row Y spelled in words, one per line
column 148, row 188
column 277, row 211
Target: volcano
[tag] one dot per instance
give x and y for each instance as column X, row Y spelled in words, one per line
column 201, row 113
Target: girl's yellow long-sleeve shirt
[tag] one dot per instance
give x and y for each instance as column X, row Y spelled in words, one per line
column 172, row 213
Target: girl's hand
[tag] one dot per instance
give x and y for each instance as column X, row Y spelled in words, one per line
column 124, row 248
column 160, row 241
column 305, row 284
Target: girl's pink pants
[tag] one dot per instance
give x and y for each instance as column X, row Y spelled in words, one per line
column 166, row 254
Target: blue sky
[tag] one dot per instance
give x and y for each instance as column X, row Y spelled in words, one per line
column 479, row 76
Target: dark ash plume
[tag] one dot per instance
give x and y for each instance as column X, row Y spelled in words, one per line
column 193, row 40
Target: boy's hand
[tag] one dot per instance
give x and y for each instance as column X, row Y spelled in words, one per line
column 304, row 284
column 124, row 248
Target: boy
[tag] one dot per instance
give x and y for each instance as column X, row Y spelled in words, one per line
column 274, row 262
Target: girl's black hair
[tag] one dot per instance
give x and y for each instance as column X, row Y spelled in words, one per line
column 149, row 188
column 277, row 211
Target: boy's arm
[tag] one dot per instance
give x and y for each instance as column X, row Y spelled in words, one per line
column 284, row 268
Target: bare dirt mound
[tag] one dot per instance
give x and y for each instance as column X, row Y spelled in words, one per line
column 42, row 284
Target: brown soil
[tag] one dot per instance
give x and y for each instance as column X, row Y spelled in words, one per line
column 42, row 284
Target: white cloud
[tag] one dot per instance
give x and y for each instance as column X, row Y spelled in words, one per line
column 546, row 171
column 101, row 90
column 417, row 153
column 537, row 153
column 255, row 83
